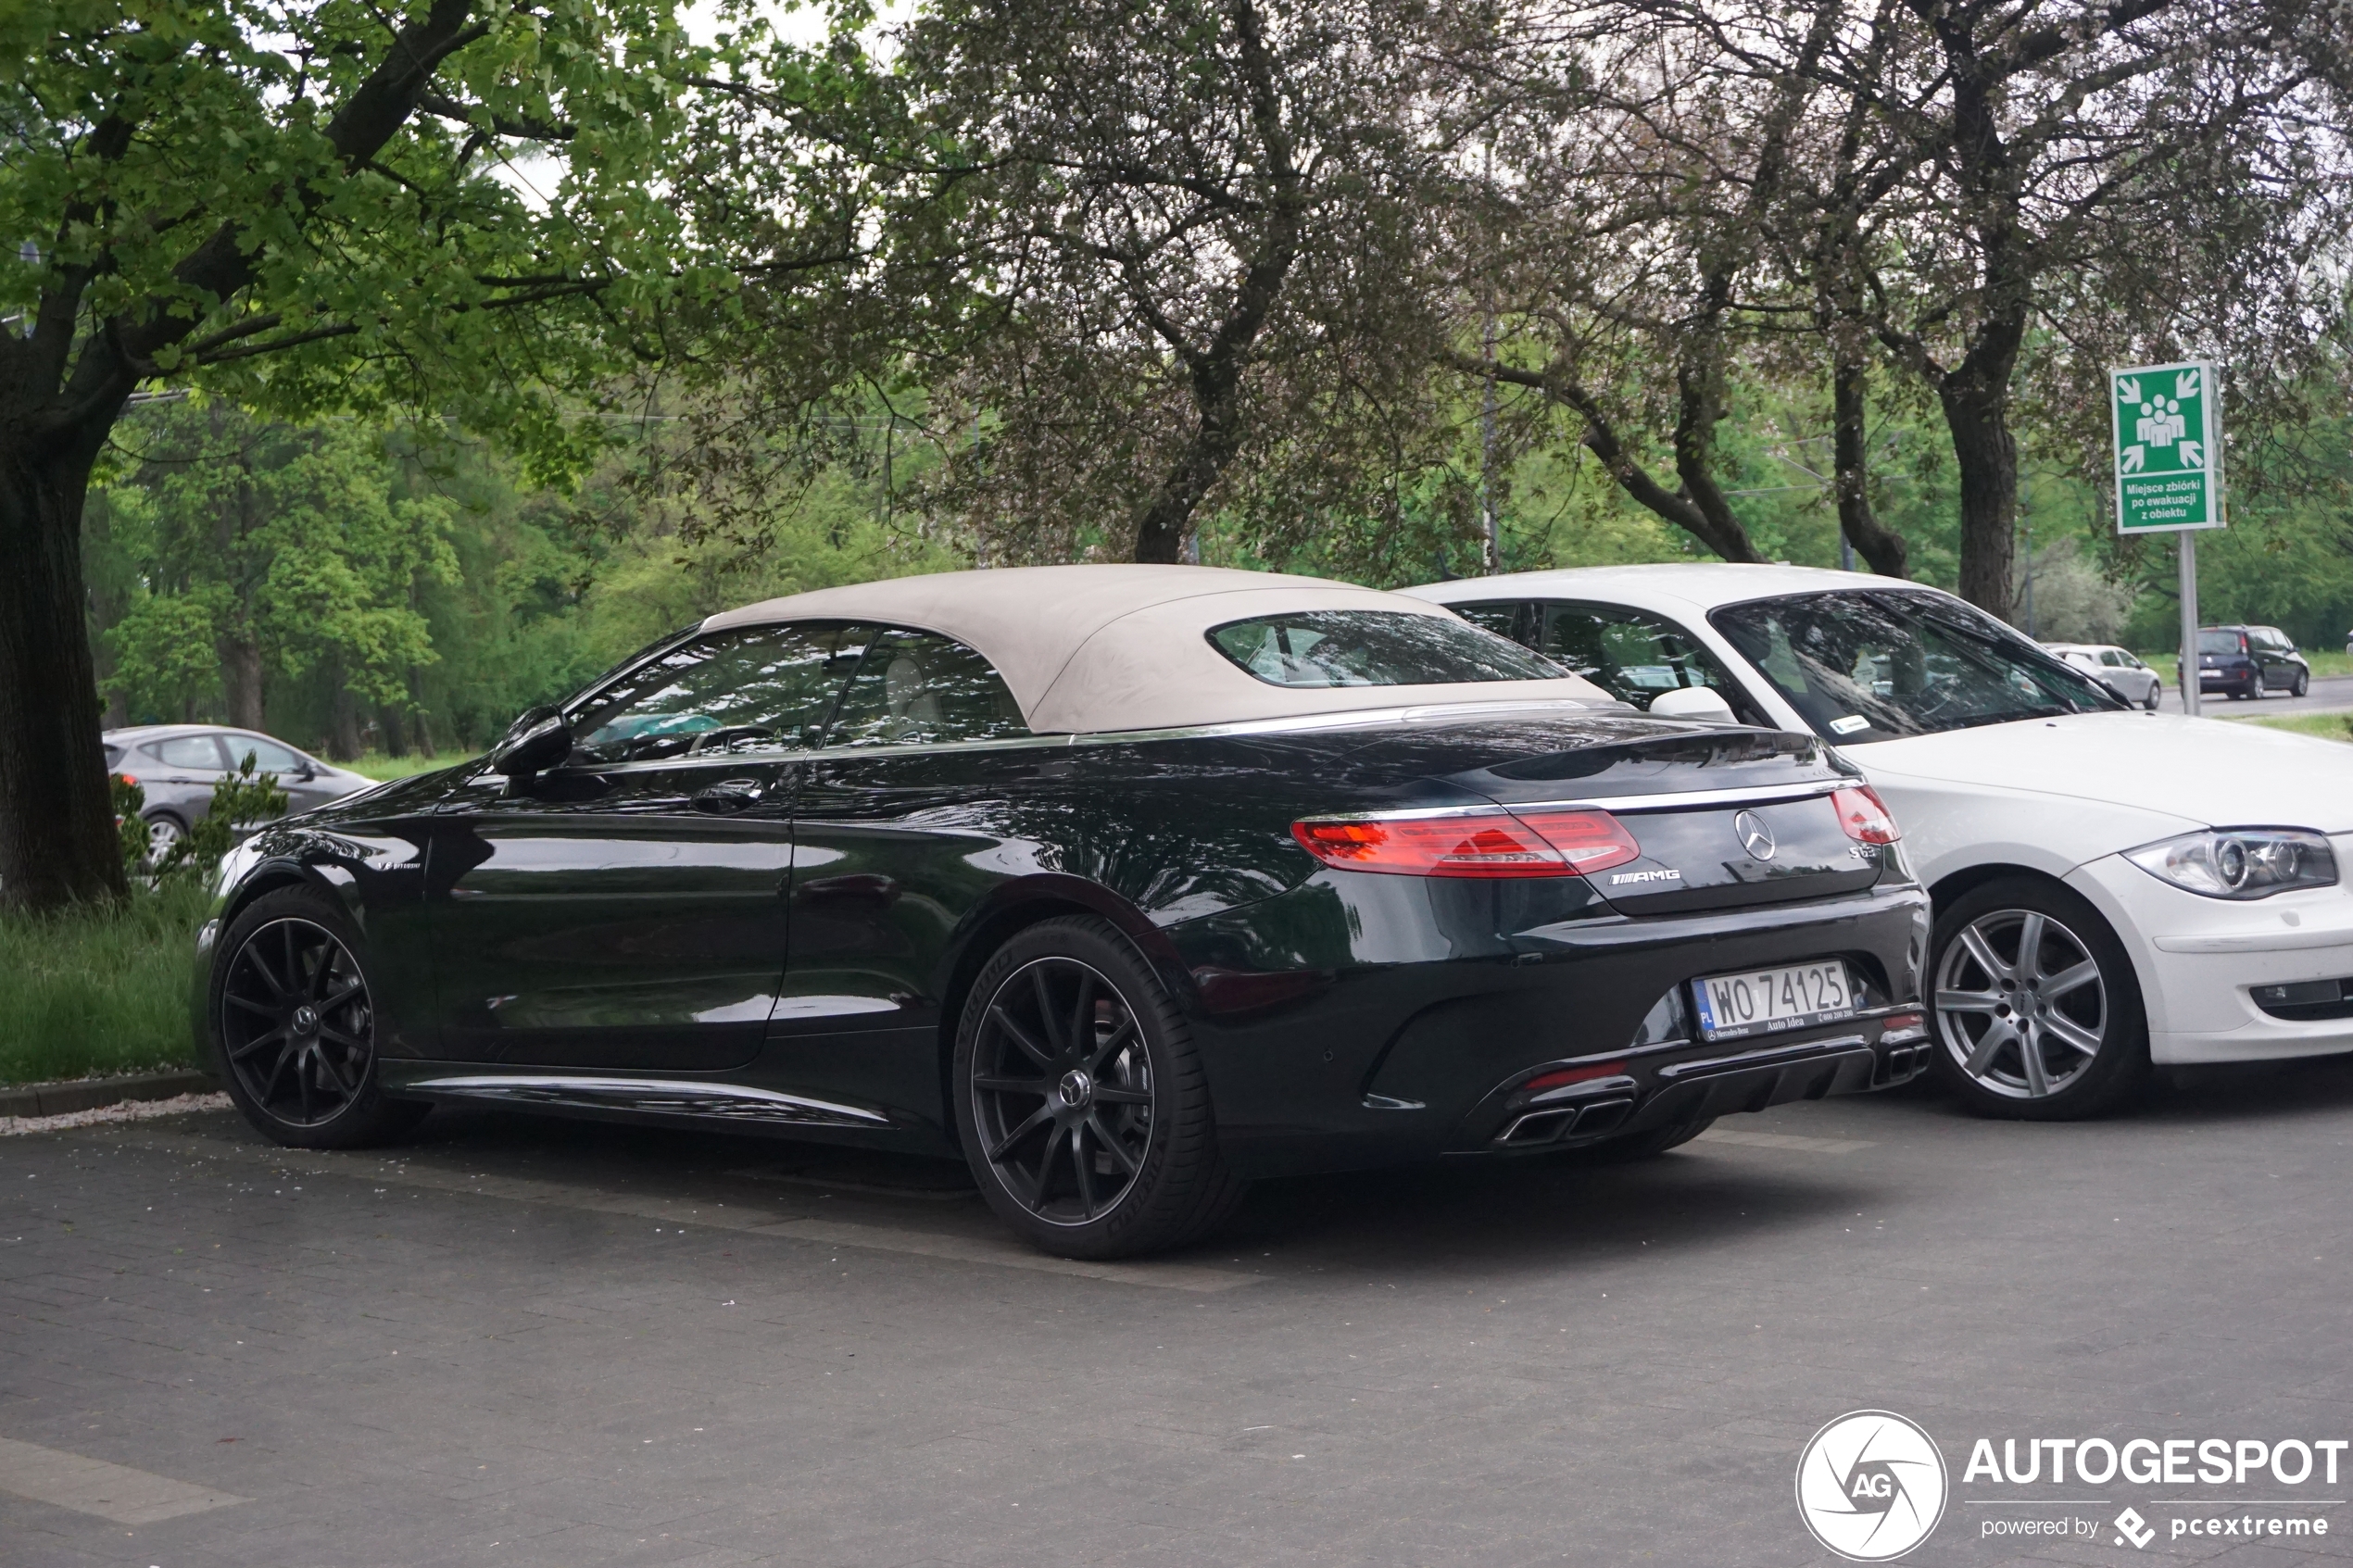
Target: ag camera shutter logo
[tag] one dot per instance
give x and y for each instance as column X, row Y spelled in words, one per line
column 1870, row 1485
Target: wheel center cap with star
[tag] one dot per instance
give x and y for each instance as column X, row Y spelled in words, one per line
column 1076, row 1089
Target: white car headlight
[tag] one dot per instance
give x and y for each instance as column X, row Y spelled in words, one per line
column 2240, row 862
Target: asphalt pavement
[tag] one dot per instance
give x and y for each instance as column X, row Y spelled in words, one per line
column 2328, row 693
column 519, row 1341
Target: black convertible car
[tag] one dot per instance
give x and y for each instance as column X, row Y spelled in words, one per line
column 1127, row 882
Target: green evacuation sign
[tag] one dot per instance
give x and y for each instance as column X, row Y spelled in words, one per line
column 2167, row 420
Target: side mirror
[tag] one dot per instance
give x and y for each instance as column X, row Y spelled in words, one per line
column 1694, row 702
column 533, row 744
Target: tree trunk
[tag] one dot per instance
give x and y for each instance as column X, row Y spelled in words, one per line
column 395, row 734
column 343, row 743
column 1159, row 532
column 1976, row 413
column 58, row 843
column 241, row 679
column 1873, row 540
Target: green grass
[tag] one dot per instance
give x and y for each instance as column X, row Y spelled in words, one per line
column 2327, row 726
column 99, row 991
column 376, row 765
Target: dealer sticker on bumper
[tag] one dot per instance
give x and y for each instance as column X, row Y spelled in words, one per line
column 1768, row 1001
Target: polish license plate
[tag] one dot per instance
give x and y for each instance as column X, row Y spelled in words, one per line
column 1769, row 1001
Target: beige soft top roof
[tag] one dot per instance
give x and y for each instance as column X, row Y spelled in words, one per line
column 1087, row 649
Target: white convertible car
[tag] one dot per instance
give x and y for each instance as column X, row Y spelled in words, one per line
column 2113, row 888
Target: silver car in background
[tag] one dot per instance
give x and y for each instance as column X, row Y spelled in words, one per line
column 176, row 766
column 2115, row 667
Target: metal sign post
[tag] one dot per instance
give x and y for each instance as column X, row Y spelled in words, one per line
column 2167, row 421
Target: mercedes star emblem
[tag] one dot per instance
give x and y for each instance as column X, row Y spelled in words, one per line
column 1756, row 837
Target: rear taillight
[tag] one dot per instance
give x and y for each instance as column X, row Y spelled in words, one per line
column 1865, row 816
column 1589, row 841
column 1480, row 844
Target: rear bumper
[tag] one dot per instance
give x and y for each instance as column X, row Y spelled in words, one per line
column 1388, row 1063
column 1698, row 1084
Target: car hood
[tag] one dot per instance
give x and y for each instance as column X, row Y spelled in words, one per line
column 2205, row 771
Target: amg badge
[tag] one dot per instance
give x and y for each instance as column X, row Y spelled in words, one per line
column 1647, row 876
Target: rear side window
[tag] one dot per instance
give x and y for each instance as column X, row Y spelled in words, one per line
column 2220, row 642
column 186, row 751
column 919, row 688
column 1635, row 657
column 1374, row 647
column 1508, row 618
column 755, row 691
column 268, row 756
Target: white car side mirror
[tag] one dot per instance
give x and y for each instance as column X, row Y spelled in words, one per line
column 1694, row 702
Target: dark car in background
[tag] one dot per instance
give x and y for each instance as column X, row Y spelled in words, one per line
column 1127, row 884
column 2247, row 662
column 177, row 765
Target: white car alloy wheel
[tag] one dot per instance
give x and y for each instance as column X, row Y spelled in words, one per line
column 2020, row 1004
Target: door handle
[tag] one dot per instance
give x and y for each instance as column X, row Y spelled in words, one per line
column 728, row 795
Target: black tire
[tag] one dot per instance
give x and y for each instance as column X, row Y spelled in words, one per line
column 1071, row 1169
column 2041, row 1073
column 2156, row 695
column 292, row 1021
column 2302, row 684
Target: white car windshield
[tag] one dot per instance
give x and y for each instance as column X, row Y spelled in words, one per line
column 1875, row 665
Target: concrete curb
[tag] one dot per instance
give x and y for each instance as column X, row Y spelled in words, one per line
column 89, row 1094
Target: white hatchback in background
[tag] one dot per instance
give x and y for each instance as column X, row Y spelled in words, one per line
column 2112, row 887
column 2115, row 667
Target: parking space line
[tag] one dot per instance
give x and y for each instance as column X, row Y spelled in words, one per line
column 1784, row 1140
column 1003, row 1254
column 92, row 1486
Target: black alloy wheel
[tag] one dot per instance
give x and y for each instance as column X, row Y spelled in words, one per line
column 1063, row 1090
column 2037, row 1012
column 1083, row 1110
column 296, row 1029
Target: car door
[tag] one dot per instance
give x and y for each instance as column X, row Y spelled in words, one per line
column 626, row 908
column 2104, row 664
column 2279, row 657
column 2128, row 675
column 899, row 819
column 179, row 771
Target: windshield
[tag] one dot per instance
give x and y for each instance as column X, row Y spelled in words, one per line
column 2217, row 641
column 1375, row 648
column 1873, row 666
